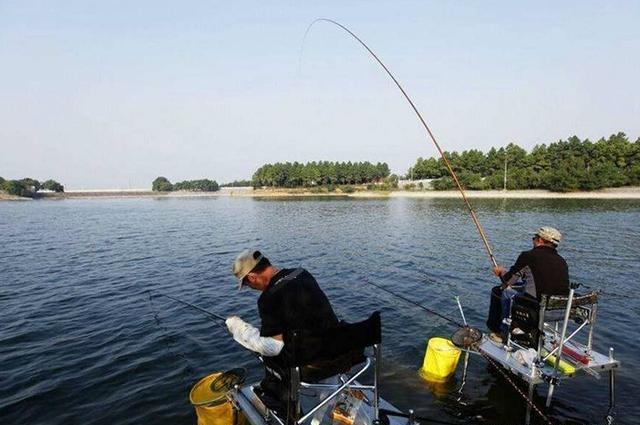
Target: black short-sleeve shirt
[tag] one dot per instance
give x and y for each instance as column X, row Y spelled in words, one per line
column 291, row 304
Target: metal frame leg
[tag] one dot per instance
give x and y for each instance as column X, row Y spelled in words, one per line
column 294, row 393
column 543, row 309
column 612, row 391
column 377, row 353
column 527, row 419
column 563, row 333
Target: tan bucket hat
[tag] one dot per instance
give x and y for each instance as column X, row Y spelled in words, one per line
column 244, row 263
column 550, row 234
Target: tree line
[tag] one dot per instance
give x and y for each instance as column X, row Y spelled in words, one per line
column 162, row 184
column 562, row 166
column 322, row 173
column 29, row 187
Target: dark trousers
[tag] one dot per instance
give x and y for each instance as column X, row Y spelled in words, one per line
column 494, row 319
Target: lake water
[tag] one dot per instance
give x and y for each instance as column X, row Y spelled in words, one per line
column 79, row 342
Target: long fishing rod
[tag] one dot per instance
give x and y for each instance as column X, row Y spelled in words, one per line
column 485, row 241
column 485, row 356
column 200, row 309
column 405, row 299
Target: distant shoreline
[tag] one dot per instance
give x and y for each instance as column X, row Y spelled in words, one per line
column 611, row 193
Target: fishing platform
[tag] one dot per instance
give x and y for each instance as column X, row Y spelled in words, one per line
column 313, row 396
column 548, row 342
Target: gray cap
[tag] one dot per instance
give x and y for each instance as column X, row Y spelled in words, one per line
column 549, row 234
column 244, row 263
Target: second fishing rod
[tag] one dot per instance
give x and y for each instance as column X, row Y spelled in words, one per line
column 445, row 160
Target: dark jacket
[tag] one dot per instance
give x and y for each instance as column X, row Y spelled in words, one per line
column 293, row 301
column 542, row 270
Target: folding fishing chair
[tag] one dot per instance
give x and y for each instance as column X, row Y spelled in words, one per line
column 543, row 326
column 313, row 356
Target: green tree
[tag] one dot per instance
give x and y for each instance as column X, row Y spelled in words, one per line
column 53, row 186
column 443, row 183
column 32, row 185
column 318, row 173
column 429, row 168
column 161, row 184
column 202, row 185
column 16, row 188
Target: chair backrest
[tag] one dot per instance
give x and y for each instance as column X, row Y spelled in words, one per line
column 307, row 347
column 557, row 302
column 582, row 307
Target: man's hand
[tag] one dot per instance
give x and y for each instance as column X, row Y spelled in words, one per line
column 234, row 324
column 249, row 337
column 499, row 271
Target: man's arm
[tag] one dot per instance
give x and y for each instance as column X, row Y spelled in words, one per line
column 249, row 337
column 509, row 277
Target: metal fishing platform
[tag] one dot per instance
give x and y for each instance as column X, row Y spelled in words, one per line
column 336, row 399
column 246, row 400
column 542, row 345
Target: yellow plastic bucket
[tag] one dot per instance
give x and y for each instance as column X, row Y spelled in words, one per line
column 440, row 360
column 212, row 407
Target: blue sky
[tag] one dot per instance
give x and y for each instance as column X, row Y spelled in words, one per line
column 111, row 94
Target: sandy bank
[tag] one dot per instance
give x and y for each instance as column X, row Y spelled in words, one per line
column 6, row 197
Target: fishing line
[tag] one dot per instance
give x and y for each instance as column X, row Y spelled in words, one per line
column 219, row 319
column 485, row 241
column 188, row 371
column 188, row 304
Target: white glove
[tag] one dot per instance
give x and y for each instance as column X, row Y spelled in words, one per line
column 249, row 337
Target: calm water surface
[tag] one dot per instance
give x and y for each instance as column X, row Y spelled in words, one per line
column 79, row 342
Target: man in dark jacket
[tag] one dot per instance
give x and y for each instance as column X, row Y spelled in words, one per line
column 291, row 300
column 537, row 272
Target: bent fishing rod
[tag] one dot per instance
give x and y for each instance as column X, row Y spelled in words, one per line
column 485, row 241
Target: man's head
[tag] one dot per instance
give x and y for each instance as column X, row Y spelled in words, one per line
column 548, row 236
column 253, row 269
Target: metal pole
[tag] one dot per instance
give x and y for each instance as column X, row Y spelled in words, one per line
column 377, row 352
column 295, row 387
column 527, row 419
column 333, row 394
column 592, row 322
column 612, row 389
column 461, row 312
column 464, row 374
column 560, row 345
column 504, row 186
column 543, row 308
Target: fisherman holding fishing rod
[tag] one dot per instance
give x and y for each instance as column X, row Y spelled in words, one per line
column 291, row 300
column 537, row 272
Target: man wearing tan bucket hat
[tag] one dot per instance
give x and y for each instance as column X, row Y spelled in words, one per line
column 537, row 272
column 290, row 299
